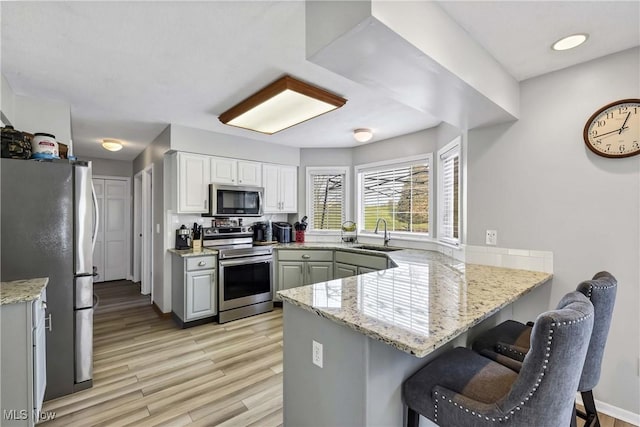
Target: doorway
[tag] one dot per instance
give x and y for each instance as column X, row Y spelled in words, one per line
column 143, row 230
column 111, row 254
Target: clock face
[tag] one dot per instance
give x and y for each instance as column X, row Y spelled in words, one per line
column 614, row 130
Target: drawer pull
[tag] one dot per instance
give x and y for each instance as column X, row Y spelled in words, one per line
column 202, row 264
column 306, row 256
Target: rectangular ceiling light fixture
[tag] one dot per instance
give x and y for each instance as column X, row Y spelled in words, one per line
column 280, row 105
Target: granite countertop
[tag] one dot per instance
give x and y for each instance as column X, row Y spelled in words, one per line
column 420, row 305
column 22, row 290
column 186, row 253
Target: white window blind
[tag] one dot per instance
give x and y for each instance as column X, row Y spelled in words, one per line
column 327, row 200
column 397, row 193
column 449, row 200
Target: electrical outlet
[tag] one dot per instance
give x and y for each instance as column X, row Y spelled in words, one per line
column 316, row 356
column 492, row 237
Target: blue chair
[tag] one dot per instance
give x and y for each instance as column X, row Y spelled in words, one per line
column 463, row 388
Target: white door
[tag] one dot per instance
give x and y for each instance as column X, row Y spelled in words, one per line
column 249, row 173
column 115, row 230
column 111, row 252
column 98, row 250
column 223, row 171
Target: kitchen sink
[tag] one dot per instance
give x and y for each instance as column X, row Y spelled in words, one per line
column 377, row 248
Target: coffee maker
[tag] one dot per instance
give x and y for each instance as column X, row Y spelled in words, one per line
column 183, row 238
column 260, row 231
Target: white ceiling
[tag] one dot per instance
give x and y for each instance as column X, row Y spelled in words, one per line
column 129, row 69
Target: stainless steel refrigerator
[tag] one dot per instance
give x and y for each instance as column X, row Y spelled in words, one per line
column 48, row 228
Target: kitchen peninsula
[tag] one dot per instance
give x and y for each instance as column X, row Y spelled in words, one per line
column 378, row 328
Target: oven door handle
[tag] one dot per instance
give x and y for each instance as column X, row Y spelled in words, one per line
column 245, row 260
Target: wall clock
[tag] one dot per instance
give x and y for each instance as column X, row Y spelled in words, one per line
column 614, row 130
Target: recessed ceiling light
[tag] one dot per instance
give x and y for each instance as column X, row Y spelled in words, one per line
column 570, row 42
column 111, row 144
column 362, row 135
column 280, row 105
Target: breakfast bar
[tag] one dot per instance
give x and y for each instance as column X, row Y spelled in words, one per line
column 350, row 343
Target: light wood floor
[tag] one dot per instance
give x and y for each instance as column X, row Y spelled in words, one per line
column 148, row 372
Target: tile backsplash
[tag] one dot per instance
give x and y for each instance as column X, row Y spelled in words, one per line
column 511, row 258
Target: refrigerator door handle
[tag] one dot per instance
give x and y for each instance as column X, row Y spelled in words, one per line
column 82, row 214
column 96, row 216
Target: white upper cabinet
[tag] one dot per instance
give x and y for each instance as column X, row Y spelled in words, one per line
column 223, row 170
column 235, row 172
column 249, row 173
column 193, row 183
column 280, row 188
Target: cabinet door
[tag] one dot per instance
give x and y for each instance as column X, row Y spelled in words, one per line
column 270, row 182
column 289, row 189
column 193, row 183
column 290, row 274
column 345, row 270
column 319, row 271
column 39, row 357
column 201, row 294
column 363, row 270
column 223, row 171
column 249, row 173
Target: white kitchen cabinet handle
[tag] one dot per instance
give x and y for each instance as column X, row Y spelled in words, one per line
column 202, row 263
column 306, row 256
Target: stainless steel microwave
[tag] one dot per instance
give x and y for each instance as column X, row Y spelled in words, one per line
column 230, row 200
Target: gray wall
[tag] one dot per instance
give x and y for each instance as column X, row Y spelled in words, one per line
column 108, row 167
column 154, row 154
column 536, row 183
column 218, row 144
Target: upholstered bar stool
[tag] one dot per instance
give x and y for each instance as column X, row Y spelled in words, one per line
column 462, row 388
column 508, row 342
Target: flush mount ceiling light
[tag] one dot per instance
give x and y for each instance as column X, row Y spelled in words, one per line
column 362, row 135
column 570, row 42
column 280, row 105
column 111, row 144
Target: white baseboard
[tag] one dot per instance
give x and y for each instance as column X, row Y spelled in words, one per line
column 614, row 411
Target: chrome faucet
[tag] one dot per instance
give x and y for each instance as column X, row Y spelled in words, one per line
column 387, row 236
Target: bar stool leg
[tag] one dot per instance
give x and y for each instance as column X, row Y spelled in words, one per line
column 574, row 422
column 590, row 409
column 413, row 418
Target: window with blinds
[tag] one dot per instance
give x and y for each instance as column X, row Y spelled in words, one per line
column 327, row 203
column 449, row 193
column 398, row 193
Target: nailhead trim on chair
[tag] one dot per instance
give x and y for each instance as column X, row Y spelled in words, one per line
column 501, row 348
column 531, row 393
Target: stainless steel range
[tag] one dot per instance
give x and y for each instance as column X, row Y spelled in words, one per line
column 244, row 271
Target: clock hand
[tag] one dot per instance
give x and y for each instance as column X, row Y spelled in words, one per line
column 607, row 133
column 625, row 122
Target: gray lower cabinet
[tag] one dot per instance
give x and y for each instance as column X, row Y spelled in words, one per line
column 351, row 264
column 345, row 270
column 303, row 267
column 194, row 288
column 24, row 369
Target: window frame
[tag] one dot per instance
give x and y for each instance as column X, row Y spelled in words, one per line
column 326, row 170
column 455, row 146
column 390, row 164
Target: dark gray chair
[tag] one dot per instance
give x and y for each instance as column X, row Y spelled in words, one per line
column 462, row 388
column 508, row 342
